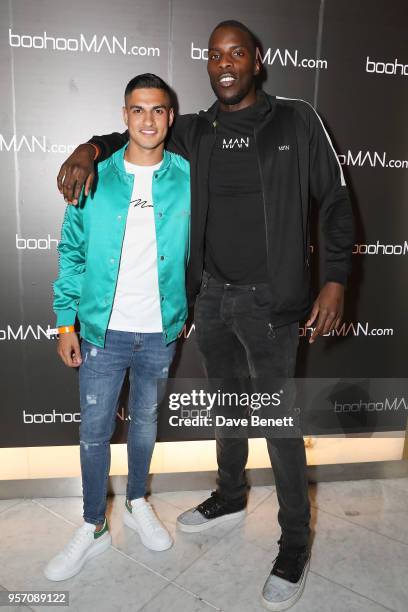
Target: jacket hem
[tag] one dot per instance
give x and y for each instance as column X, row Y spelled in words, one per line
column 285, row 318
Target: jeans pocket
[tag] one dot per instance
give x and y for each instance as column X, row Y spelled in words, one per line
column 94, row 358
column 203, row 289
column 262, row 301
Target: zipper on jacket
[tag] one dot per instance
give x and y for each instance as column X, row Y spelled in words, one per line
column 119, row 260
column 263, row 200
column 307, row 246
column 307, row 263
column 214, row 127
column 214, row 124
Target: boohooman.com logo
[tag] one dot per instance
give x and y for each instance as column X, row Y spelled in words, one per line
column 373, row 159
column 357, row 329
column 81, row 44
column 32, row 144
column 395, row 67
column 281, row 57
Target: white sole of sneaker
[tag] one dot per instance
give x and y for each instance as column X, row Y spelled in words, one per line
column 131, row 523
column 102, row 544
column 285, row 605
column 211, row 523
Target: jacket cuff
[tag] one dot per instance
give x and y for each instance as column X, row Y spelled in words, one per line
column 65, row 317
column 335, row 275
column 98, row 146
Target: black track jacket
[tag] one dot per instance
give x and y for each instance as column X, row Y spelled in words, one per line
column 298, row 166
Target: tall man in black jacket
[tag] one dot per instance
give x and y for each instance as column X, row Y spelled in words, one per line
column 257, row 164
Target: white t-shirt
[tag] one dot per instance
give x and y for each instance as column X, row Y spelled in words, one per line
column 136, row 306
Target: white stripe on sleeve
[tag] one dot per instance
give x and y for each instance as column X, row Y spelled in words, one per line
column 343, row 182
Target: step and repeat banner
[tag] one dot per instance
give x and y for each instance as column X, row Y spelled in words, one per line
column 63, row 70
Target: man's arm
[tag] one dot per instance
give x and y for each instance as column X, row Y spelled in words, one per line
column 328, row 189
column 179, row 140
column 109, row 143
column 181, row 136
column 79, row 169
column 68, row 286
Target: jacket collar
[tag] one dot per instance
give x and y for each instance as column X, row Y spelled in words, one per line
column 265, row 104
column 118, row 160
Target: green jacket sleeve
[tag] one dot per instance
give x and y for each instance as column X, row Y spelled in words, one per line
column 71, row 267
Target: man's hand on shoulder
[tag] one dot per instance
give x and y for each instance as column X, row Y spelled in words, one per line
column 327, row 309
column 78, row 170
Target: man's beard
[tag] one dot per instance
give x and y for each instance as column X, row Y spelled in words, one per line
column 230, row 101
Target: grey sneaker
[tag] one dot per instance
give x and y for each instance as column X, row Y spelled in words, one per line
column 285, row 584
column 209, row 513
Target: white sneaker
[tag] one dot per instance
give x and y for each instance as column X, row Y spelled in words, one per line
column 140, row 516
column 84, row 544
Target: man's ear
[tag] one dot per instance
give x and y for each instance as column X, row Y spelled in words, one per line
column 125, row 115
column 171, row 117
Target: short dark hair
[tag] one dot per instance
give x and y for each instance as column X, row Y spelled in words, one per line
column 233, row 23
column 148, row 81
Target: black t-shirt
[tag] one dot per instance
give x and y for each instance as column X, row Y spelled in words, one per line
column 235, row 244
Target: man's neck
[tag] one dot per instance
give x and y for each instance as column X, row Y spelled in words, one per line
column 249, row 100
column 143, row 157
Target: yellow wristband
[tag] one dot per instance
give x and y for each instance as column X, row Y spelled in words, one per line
column 66, row 329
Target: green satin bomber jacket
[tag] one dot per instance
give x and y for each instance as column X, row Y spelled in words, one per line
column 91, row 243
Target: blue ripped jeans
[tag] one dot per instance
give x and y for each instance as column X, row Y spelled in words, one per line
column 101, row 376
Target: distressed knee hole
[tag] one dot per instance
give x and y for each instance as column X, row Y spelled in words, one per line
column 91, row 399
column 86, row 445
column 149, row 410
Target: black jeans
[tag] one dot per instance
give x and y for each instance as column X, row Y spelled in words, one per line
column 236, row 340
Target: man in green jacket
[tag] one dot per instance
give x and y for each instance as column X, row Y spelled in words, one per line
column 123, row 256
